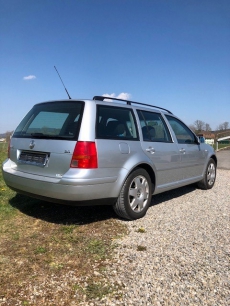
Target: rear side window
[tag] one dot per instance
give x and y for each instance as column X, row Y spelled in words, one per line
column 115, row 123
column 53, row 120
column 153, row 127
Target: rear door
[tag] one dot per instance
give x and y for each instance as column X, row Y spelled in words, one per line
column 117, row 138
column 158, row 145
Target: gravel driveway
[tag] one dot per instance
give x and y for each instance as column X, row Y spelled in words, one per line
column 178, row 254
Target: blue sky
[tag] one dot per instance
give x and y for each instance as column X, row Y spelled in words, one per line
column 170, row 53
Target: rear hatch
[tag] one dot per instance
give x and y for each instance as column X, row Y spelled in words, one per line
column 44, row 141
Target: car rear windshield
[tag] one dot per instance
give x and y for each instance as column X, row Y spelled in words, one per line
column 52, row 120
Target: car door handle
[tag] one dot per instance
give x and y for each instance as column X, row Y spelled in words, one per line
column 151, row 150
column 182, row 151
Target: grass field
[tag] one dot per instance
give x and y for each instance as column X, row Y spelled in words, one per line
column 222, row 146
column 52, row 254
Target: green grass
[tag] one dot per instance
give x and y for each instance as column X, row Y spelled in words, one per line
column 41, row 242
column 221, row 146
column 141, row 248
column 6, row 211
column 141, row 230
column 96, row 290
column 97, row 248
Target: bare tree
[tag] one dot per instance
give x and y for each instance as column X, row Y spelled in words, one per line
column 192, row 127
column 199, row 125
column 207, row 127
column 8, row 135
column 220, row 127
column 226, row 125
column 223, row 126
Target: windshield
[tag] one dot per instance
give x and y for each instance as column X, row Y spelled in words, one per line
column 53, row 120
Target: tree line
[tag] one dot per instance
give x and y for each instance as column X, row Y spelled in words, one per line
column 200, row 125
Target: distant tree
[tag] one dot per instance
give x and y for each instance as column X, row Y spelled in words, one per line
column 220, row 127
column 226, row 125
column 223, row 126
column 192, row 127
column 199, row 125
column 8, row 135
column 207, row 127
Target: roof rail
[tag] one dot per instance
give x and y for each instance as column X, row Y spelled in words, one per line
column 102, row 98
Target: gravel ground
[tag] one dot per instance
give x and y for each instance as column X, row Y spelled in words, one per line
column 178, row 254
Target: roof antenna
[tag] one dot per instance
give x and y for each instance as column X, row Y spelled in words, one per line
column 62, row 82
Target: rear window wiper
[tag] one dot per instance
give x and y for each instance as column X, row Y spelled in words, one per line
column 45, row 136
column 40, row 135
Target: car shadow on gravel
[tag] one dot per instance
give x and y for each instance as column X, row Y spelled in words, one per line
column 64, row 214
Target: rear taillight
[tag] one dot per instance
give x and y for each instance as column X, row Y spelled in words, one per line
column 84, row 155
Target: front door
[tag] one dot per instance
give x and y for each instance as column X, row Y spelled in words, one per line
column 192, row 157
column 158, row 145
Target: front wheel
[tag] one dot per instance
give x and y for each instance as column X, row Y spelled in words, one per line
column 135, row 195
column 209, row 176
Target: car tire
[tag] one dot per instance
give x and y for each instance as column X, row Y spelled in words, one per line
column 135, row 195
column 209, row 176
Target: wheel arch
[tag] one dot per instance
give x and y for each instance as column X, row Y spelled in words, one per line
column 150, row 171
column 136, row 193
column 214, row 158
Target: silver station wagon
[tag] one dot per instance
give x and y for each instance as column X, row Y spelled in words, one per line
column 105, row 151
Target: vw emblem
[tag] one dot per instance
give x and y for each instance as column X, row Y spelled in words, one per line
column 32, row 144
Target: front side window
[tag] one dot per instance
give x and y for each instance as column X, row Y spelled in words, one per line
column 115, row 123
column 53, row 120
column 153, row 127
column 182, row 132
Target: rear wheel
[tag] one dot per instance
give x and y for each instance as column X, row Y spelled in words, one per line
column 135, row 195
column 209, row 177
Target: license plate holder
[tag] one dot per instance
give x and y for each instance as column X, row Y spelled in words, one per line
column 39, row 159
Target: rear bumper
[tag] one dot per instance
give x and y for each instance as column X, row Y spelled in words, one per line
column 61, row 191
column 105, row 201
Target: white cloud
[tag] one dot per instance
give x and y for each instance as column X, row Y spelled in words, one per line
column 29, row 77
column 122, row 95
